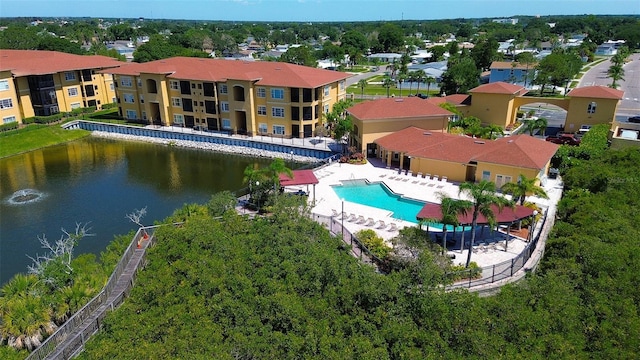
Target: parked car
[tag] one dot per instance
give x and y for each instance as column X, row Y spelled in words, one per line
column 634, row 119
column 564, row 139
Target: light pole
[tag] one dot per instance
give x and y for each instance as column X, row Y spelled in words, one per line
column 342, row 219
column 533, row 225
column 258, row 197
column 291, row 155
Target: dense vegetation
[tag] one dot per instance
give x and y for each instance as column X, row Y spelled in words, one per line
column 282, row 287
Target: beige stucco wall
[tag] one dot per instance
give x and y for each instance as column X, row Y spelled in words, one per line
column 453, row 171
column 6, row 114
column 368, row 131
column 578, row 115
column 504, row 170
column 497, row 109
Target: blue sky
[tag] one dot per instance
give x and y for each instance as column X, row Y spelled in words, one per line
column 313, row 10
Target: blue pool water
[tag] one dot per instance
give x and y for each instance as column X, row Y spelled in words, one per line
column 378, row 195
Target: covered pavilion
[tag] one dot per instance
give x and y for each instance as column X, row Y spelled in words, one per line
column 505, row 216
column 300, row 177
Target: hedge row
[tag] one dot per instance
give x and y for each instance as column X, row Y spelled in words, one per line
column 9, row 126
column 59, row 116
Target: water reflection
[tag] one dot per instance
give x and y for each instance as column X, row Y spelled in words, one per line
column 99, row 181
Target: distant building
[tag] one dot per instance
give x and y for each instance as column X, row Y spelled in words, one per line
column 385, row 57
column 511, row 72
column 42, row 83
column 511, row 21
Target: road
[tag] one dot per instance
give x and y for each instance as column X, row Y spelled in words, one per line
column 630, row 104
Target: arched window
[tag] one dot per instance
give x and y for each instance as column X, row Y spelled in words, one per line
column 238, row 93
column 151, row 86
column 591, row 109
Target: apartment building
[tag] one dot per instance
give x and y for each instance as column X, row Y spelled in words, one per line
column 244, row 97
column 41, row 83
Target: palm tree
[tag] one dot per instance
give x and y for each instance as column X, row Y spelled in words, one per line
column 492, row 130
column 541, row 124
column 450, row 209
column 387, row 83
column 429, row 80
column 615, row 72
column 483, row 195
column 419, row 76
column 362, row 84
column 522, row 188
column 530, row 126
column 393, row 67
column 273, row 171
column 401, row 79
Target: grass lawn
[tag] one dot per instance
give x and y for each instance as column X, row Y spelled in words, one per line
column 36, row 136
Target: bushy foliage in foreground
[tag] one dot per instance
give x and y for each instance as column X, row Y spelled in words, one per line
column 282, row 287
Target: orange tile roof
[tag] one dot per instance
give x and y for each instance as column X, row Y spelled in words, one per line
column 263, row 72
column 499, row 88
column 39, row 62
column 520, row 151
column 456, row 99
column 396, row 108
column 599, row 92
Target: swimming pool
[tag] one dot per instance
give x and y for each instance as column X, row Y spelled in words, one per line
column 378, row 195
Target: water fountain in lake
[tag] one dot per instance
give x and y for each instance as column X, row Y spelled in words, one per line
column 25, row 196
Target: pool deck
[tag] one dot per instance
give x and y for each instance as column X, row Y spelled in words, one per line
column 327, row 201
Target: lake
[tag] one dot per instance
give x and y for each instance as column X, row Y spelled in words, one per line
column 99, row 181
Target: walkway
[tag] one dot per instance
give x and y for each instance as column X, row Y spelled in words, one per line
column 70, row 338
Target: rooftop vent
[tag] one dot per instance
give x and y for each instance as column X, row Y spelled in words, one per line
column 426, row 133
column 399, row 100
column 478, row 142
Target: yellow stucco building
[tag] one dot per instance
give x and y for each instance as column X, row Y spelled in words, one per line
column 41, row 83
column 242, row 97
column 461, row 158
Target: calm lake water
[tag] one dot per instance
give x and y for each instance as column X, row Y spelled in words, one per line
column 99, row 181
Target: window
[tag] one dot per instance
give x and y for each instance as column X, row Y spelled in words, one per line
column 144, row 115
column 342, row 85
column 591, row 109
column 139, row 82
column 8, row 119
column 4, row 85
column 128, row 98
column 261, row 92
column 277, row 93
column 112, row 87
column 326, row 90
column 177, row 102
column 174, row 85
column 187, row 104
column 226, row 124
column 70, row 75
column 6, row 104
column 210, row 107
column 199, row 86
column 208, row 89
column 125, row 81
column 141, row 99
column 486, row 175
column 262, row 110
column 224, row 106
column 75, row 105
column 278, row 129
column 223, row 89
column 502, row 179
column 326, row 108
column 132, row 114
column 262, row 128
column 72, row 91
column 277, row 112
column 178, row 119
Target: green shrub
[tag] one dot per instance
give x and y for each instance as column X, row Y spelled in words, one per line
column 9, row 126
column 29, row 120
column 49, row 119
column 459, row 272
column 109, row 106
column 373, row 242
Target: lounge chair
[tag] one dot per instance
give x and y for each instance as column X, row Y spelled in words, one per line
column 444, row 179
column 334, row 213
column 361, row 220
column 370, row 222
column 381, row 224
column 393, row 227
column 352, row 218
column 435, row 177
column 427, row 176
column 419, row 174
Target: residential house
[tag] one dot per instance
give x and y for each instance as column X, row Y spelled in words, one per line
column 41, row 83
column 511, row 72
column 244, row 97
